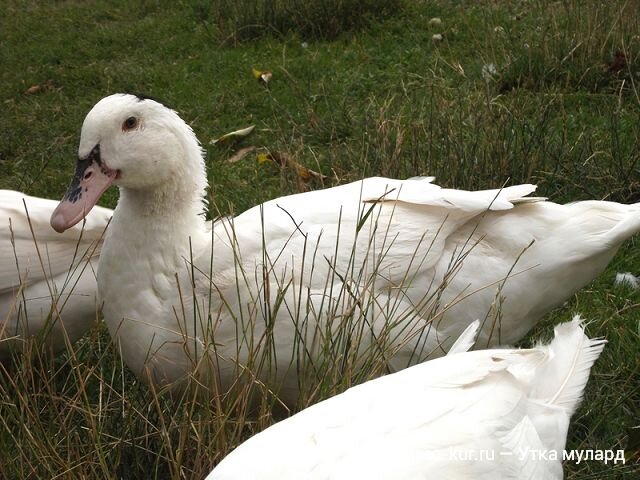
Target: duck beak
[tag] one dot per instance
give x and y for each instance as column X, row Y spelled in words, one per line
column 90, row 181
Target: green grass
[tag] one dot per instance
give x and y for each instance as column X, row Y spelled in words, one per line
column 379, row 98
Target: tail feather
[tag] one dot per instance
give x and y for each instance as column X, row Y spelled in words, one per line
column 626, row 228
column 466, row 340
column 562, row 378
column 498, row 199
column 519, row 201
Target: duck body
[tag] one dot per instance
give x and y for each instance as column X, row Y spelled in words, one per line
column 489, row 414
column 47, row 281
column 401, row 266
column 274, row 271
column 540, row 254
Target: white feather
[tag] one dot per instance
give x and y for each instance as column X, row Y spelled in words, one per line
column 434, row 420
column 562, row 379
column 466, row 339
column 628, row 279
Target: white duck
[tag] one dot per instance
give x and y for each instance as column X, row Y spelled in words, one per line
column 47, row 281
column 488, row 414
column 369, row 262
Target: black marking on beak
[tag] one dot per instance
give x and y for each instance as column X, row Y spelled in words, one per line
column 74, row 192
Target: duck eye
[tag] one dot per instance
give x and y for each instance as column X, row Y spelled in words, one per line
column 130, row 123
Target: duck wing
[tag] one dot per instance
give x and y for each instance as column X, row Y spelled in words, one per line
column 31, row 251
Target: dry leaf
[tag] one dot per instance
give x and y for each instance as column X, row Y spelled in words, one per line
column 48, row 85
column 284, row 160
column 240, row 154
column 235, row 135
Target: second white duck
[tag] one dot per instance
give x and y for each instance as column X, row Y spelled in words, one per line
column 47, row 281
column 491, row 414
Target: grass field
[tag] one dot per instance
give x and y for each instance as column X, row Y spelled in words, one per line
column 492, row 92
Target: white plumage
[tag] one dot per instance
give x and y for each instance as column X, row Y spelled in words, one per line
column 627, row 279
column 490, row 414
column 360, row 267
column 47, row 281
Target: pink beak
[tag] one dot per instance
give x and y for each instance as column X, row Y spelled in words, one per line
column 90, row 181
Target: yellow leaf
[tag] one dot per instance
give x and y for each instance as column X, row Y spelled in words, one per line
column 263, row 157
column 263, row 76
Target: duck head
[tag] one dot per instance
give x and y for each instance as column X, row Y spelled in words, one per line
column 133, row 142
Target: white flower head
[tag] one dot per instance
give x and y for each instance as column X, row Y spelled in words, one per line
column 489, row 70
column 627, row 279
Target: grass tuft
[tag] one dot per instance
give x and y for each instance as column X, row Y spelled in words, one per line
column 231, row 22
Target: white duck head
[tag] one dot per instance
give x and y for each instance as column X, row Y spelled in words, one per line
column 143, row 147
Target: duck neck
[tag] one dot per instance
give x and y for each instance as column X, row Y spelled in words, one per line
column 172, row 213
column 167, row 206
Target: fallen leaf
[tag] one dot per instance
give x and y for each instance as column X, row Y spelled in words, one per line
column 284, row 160
column 235, row 135
column 48, row 85
column 264, row 158
column 263, row 76
column 240, row 154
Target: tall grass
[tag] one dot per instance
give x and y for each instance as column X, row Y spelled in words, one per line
column 455, row 139
column 231, row 22
column 584, row 46
column 82, row 415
